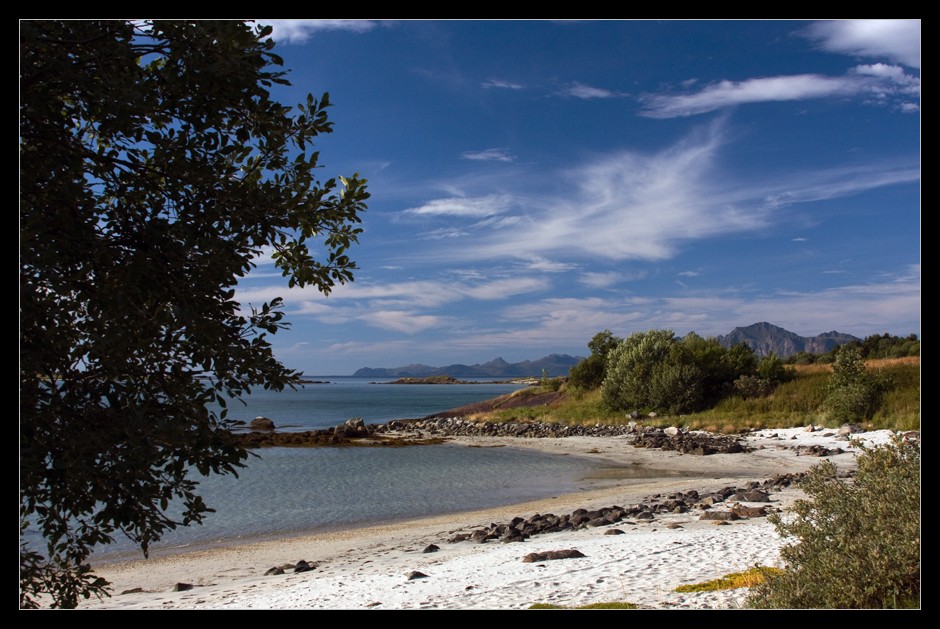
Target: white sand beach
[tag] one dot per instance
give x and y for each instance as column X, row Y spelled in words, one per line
column 368, row 568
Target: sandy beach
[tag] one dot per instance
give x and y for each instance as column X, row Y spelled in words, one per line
column 369, row 568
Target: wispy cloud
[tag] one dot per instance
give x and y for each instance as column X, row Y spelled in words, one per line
column 895, row 40
column 798, row 239
column 299, row 31
column 489, row 155
column 876, row 80
column 459, row 206
column 689, row 273
column 587, row 92
column 502, row 84
column 628, row 205
column 609, row 278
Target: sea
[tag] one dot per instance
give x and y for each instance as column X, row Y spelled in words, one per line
column 289, row 491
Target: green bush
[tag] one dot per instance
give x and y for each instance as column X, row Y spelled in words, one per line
column 854, row 394
column 857, row 541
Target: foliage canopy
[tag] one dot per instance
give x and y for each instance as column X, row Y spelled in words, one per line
column 154, row 167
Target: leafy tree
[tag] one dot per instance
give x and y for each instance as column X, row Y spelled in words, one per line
column 630, row 368
column 590, row 372
column 154, row 167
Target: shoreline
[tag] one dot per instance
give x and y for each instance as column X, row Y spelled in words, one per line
column 367, row 567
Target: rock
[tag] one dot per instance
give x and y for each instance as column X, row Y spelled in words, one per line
column 755, row 495
column 652, row 415
column 644, row 515
column 850, row 429
column 720, row 515
column 302, row 566
column 672, row 431
column 261, row 423
column 414, row 574
column 749, row 512
column 570, row 553
column 431, row 549
column 133, row 591
column 810, row 428
column 673, row 526
column 182, row 587
column 614, row 532
column 274, row 570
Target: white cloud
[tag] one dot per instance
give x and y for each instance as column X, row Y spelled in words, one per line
column 895, row 40
column 579, row 90
column 609, row 278
column 689, row 273
column 401, row 321
column 460, row 206
column 627, row 205
column 883, row 81
column 730, row 93
column 501, row 84
column 299, row 31
column 489, row 155
column 798, row 239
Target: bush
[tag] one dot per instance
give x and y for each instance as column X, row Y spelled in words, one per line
column 857, row 543
column 854, row 394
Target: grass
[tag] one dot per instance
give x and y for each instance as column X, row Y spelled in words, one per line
column 746, row 579
column 796, row 403
column 613, row 605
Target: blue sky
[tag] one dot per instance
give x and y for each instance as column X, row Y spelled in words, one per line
column 536, row 182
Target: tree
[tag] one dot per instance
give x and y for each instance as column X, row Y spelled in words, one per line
column 154, row 167
column 590, row 372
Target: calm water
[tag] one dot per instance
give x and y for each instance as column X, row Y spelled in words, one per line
column 326, row 405
column 292, row 490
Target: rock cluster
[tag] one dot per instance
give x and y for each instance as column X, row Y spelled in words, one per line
column 519, row 529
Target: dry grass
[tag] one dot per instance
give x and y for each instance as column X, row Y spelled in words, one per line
column 746, row 579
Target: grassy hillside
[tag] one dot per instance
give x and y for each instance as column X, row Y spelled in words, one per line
column 795, row 403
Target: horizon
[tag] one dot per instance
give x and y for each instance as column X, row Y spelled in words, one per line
column 536, row 182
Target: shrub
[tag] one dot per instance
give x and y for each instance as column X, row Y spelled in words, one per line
column 854, row 394
column 857, row 542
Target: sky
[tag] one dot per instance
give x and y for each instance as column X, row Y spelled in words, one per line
column 536, row 182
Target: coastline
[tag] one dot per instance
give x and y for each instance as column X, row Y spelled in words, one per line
column 367, row 567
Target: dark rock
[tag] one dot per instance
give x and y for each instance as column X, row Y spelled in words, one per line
column 133, row 591
column 274, row 570
column 645, row 515
column 414, row 574
column 673, row 526
column 614, row 532
column 755, row 495
column 182, row 587
column 552, row 554
column 431, row 549
column 302, row 566
column 261, row 423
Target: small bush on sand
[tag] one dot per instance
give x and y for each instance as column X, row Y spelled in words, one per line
column 857, row 542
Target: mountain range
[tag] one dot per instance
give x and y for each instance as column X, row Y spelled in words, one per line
column 765, row 338
column 553, row 365
column 762, row 337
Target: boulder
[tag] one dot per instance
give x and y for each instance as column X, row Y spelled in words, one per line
column 722, row 516
column 302, row 566
column 570, row 553
column 431, row 549
column 182, row 587
column 261, row 423
column 414, row 574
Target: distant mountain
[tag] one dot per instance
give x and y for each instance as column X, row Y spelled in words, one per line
column 553, row 364
column 765, row 338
